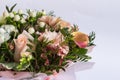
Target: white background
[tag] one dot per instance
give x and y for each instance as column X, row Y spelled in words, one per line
column 101, row 16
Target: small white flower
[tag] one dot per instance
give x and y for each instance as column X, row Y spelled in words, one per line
column 25, row 54
column 31, row 30
column 8, row 28
column 22, row 20
column 41, row 24
column 6, row 36
column 20, row 11
column 32, row 14
column 5, row 14
column 11, row 15
column 2, row 19
column 16, row 17
column 2, row 31
column 43, row 12
column 1, row 39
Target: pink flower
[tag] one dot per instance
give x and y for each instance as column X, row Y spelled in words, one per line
column 63, row 50
column 54, row 22
column 20, row 44
column 55, row 37
column 80, row 39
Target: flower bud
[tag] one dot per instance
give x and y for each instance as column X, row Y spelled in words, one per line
column 22, row 20
column 41, row 24
column 33, row 14
column 11, row 15
column 31, row 30
column 5, row 14
column 25, row 54
column 43, row 12
column 16, row 17
column 20, row 11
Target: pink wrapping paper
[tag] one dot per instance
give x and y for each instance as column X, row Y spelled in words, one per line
column 69, row 74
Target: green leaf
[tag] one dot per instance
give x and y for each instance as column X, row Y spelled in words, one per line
column 8, row 65
column 11, row 9
column 7, row 8
column 91, row 38
column 23, row 67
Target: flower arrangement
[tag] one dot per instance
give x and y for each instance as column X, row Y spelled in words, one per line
column 37, row 41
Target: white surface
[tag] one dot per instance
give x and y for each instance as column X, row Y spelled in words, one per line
column 101, row 16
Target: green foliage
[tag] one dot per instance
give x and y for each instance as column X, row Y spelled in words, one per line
column 91, row 38
column 51, row 13
column 5, row 53
column 24, row 63
column 77, row 53
column 10, row 9
column 9, row 65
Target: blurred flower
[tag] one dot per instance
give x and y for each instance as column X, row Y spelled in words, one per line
column 43, row 12
column 3, row 37
column 51, row 21
column 2, row 31
column 16, row 17
column 5, row 31
column 11, row 46
column 64, row 24
column 63, row 50
column 53, row 36
column 20, row 44
column 5, row 14
column 54, row 22
column 25, row 54
column 80, row 39
column 9, row 28
column 11, row 15
column 22, row 20
column 2, row 20
column 27, row 35
column 41, row 24
column 20, row 11
column 32, row 14
column 31, row 30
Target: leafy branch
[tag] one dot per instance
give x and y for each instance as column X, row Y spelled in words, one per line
column 91, row 38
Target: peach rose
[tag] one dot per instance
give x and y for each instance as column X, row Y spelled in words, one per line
column 52, row 21
column 80, row 39
column 55, row 22
column 20, row 44
column 64, row 24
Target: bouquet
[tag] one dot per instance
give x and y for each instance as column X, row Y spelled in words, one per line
column 40, row 42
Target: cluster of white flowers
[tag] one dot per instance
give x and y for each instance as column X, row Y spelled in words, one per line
column 16, row 17
column 5, row 31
